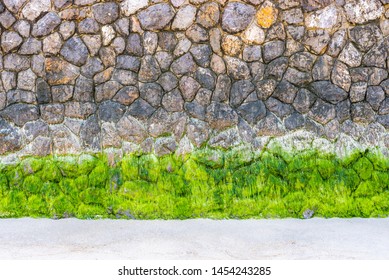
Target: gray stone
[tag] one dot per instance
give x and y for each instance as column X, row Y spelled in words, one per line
column 377, row 75
column 206, row 78
column 183, row 65
column 280, row 109
column 272, row 50
column 130, row 7
column 152, row 93
column 337, row 42
column 182, row 47
column 237, row 16
column 239, row 92
column 127, row 78
column 270, row 126
column 208, row 15
column 119, row 45
column 92, row 66
column 165, row 146
column 43, row 91
column 52, row 113
column 340, row 76
column 122, row 26
column 127, row 95
column 198, row 132
column 225, row 139
column 217, row 64
column 252, row 53
column 19, row 114
column 265, row 88
column 313, row 5
column 10, row 40
column 75, row 51
column 168, row 81
column 20, row 96
column 222, row 89
column 184, row 17
column 188, row 87
column 130, row 129
column 26, row 80
column 90, row 133
column 88, row 26
column 303, row 61
column 195, row 110
column 221, row 116
column 164, row 59
column 252, row 112
column 35, row 129
column 108, row 56
column 46, row 25
column 103, row 76
column 294, row 121
column 285, row 92
column 7, row 19
column 14, row 5
column 323, row 68
column 84, row 89
column 385, row 86
column 150, row 40
column 167, row 41
column 23, row 28
column 38, row 65
column 156, row 17
column 93, row 43
column 322, row 112
column 384, row 120
column 141, row 109
column 9, row 80
column 237, row 68
column 134, row 45
column 350, row 56
column 358, row 92
column 362, row 11
column 362, row 113
column 106, row 90
column 173, row 101
column 149, row 69
column 203, row 97
column 110, row 136
column 10, row 138
column 297, row 77
column 317, row 40
column 34, row 8
column 384, row 108
column 110, row 111
column 51, row 44
column 276, row 32
column 105, row 13
column 202, row 54
column 293, row 16
column 197, row 34
column 365, row 36
column 375, row 95
column 67, row 29
column 343, row 110
column 62, row 93
column 215, row 38
column 31, row 46
column 128, row 62
column 328, row 91
column 80, row 110
column 377, row 55
column 60, row 72
column 276, row 68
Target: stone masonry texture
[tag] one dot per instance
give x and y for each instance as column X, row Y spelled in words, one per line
column 170, row 76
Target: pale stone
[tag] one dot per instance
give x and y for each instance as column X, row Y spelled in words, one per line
column 35, row 8
column 130, row 7
column 184, row 18
column 326, row 18
column 361, row 11
column 253, row 35
column 351, row 56
column 108, row 34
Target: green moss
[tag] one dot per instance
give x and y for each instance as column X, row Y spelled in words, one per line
column 209, row 183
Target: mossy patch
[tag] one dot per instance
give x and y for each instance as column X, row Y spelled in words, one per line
column 208, row 183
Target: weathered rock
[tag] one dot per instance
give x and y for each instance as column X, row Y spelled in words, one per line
column 173, row 101
column 323, row 68
column 237, row 68
column 62, row 93
column 20, row 96
column 106, row 90
column 46, row 25
column 361, row 11
column 152, row 93
column 134, row 45
column 80, row 110
column 110, row 111
column 208, row 15
column 303, row 101
column 149, row 69
column 225, row 139
column 362, row 113
column 340, row 76
column 265, row 88
column 130, row 7
column 156, row 17
column 322, row 112
column 337, row 42
column 343, row 110
column 358, row 92
column 67, row 29
column 317, row 40
column 302, row 61
column 293, row 16
column 90, row 133
column 43, row 91
column 197, row 34
column 127, row 95
column 105, row 13
column 7, row 19
column 23, row 28
column 205, row 77
column 273, row 50
column 384, row 120
column 221, row 116
column 252, row 112
column 34, row 8
column 328, row 91
column 294, row 121
column 10, row 138
column 35, row 129
column 197, row 132
column 183, row 65
column 365, row 36
column 202, row 54
column 184, row 17
column 350, row 56
column 329, row 17
column 10, row 40
column 267, row 15
column 168, row 81
column 141, row 109
column 312, row 5
column 375, row 95
column 252, row 53
column 128, row 62
column 278, row 108
column 239, row 92
column 188, row 87
column 150, row 40
column 51, row 44
column 26, row 80
column 52, row 113
column 237, row 16
column 377, row 75
column 19, row 114
column 377, row 55
column 60, row 71
column 270, row 126
column 285, row 92
column 14, row 5
column 165, row 146
column 75, row 51
column 83, row 90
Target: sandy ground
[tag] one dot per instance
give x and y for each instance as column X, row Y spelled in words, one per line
column 315, row 238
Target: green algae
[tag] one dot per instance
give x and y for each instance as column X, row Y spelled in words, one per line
column 208, row 183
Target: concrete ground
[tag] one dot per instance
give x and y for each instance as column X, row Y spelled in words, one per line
column 315, row 238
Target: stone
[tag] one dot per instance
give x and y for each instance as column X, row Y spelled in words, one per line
column 340, row 76
column 297, row 77
column 15, row 62
column 10, row 41
column 327, row 18
column 265, row 88
column 182, row 47
column 20, row 96
column 350, row 56
column 362, row 11
column 20, row 114
column 125, row 77
column 322, row 112
column 165, row 146
column 106, row 90
column 164, row 59
column 152, row 93
column 130, row 129
column 62, row 93
column 92, row 66
column 43, row 91
column 127, row 95
column 52, row 44
column 267, row 15
column 130, row 7
column 208, row 15
column 225, row 139
column 23, row 28
column 358, row 92
column 149, row 69
column 294, row 16
column 201, row 53
column 280, row 109
column 285, row 92
column 26, row 80
column 105, row 13
column 183, row 65
column 46, row 25
column 384, row 120
column 64, row 141
column 384, row 108
column 303, row 101
column 375, row 95
column 302, row 61
column 52, row 113
column 337, row 42
column 322, row 68
column 90, row 133
column 276, row 32
column 197, row 132
column 35, row 129
column 168, row 81
column 253, row 35
column 109, row 136
column 141, row 109
column 10, row 138
column 134, row 45
column 294, row 121
column 237, row 68
column 377, row 75
column 108, row 34
column 384, row 26
column 217, row 64
column 84, row 89
column 221, row 116
column 34, row 8
column 362, row 112
column 75, row 51
column 122, row 25
column 195, row 110
column 150, row 40
column 119, row 45
column 312, row 5
column 197, row 34
column 276, row 68
column 60, row 71
column 231, row 45
column 203, row 97
column 365, row 36
column 252, row 112
column 239, row 92
column 272, row 50
column 7, row 19
column 67, row 29
column 317, row 40
column 215, row 38
column 270, row 126
column 328, row 91
column 343, row 110
column 206, row 78
column 188, row 87
column 237, row 16
column 128, row 62
column 110, row 111
column 377, row 55
column 252, row 53
column 93, row 43
column 79, row 110
column 38, row 65
column 8, row 80
column 184, row 17
column 156, row 17
column 385, row 86
column 222, row 89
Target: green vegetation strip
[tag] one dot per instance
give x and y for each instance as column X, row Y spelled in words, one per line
column 207, row 183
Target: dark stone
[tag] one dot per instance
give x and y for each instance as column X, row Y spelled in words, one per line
column 328, row 91
column 239, row 92
column 276, row 68
column 377, row 55
column 164, row 59
column 195, row 110
column 92, row 67
column 237, row 16
column 270, row 126
column 222, row 89
column 343, row 110
column 105, row 13
column 384, row 108
column 19, row 114
column 62, row 93
column 189, row 87
column 88, row 26
column 173, row 101
column 106, row 91
column 183, row 65
column 79, row 110
column 202, row 54
column 110, row 111
column 127, row 78
column 152, row 93
column 75, row 51
column 127, row 95
column 322, row 68
column 134, row 45
column 130, row 129
column 20, row 96
column 128, row 62
column 237, row 68
column 278, row 108
column 168, row 81
column 294, row 121
column 10, row 138
column 365, row 36
column 252, row 112
column 322, row 112
column 221, row 116
column 167, row 41
column 141, row 109
column 83, row 90
column 272, row 50
column 285, row 92
column 265, row 88
column 43, row 91
column 375, row 95
column 149, row 69
column 90, row 133
column 156, row 17
column 362, row 112
column 52, row 113
column 297, row 77
column 384, row 120
column 303, row 61
column 206, row 78
column 34, row 129
column 252, row 53
column 313, row 5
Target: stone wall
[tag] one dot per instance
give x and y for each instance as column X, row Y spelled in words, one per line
column 164, row 76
